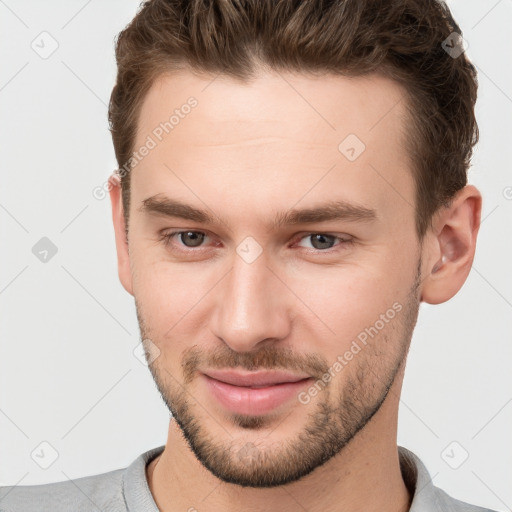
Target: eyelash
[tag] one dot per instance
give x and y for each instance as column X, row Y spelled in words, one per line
column 167, row 237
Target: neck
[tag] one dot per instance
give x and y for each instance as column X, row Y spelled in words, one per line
column 365, row 475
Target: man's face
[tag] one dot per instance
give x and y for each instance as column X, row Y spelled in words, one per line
column 244, row 292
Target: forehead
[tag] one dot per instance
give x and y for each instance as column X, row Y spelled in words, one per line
column 278, row 132
column 273, row 100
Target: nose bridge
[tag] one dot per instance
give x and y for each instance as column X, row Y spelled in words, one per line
column 251, row 307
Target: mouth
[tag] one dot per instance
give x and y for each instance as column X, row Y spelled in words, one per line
column 254, row 393
column 259, row 379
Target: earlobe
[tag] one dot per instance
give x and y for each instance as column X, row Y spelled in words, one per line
column 123, row 256
column 454, row 246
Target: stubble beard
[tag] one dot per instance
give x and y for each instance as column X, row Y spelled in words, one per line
column 338, row 415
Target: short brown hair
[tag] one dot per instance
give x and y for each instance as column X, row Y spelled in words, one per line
column 402, row 39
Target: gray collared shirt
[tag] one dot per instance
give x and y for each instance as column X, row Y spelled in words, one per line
column 127, row 490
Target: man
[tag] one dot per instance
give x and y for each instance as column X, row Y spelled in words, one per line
column 292, row 184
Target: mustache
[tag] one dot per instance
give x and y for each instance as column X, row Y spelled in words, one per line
column 267, row 358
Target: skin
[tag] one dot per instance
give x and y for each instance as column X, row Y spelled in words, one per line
column 247, row 151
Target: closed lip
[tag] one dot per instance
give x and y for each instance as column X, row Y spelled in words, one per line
column 248, row 379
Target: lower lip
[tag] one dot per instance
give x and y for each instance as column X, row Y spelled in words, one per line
column 245, row 400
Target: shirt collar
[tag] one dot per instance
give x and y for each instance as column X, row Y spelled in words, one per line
column 425, row 496
column 136, row 492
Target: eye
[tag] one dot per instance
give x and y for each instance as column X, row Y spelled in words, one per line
column 189, row 239
column 323, row 241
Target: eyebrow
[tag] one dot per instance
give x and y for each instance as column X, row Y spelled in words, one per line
column 161, row 205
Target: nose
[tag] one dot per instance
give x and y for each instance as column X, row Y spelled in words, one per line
column 253, row 307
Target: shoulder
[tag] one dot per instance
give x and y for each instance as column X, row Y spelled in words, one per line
column 447, row 503
column 90, row 493
column 425, row 495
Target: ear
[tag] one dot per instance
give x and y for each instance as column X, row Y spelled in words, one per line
column 451, row 246
column 123, row 256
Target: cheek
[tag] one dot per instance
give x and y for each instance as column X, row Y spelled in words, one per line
column 347, row 299
column 170, row 295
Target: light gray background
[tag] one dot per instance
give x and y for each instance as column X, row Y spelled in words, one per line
column 68, row 373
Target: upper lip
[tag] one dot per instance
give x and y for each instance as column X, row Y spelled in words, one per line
column 262, row 378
